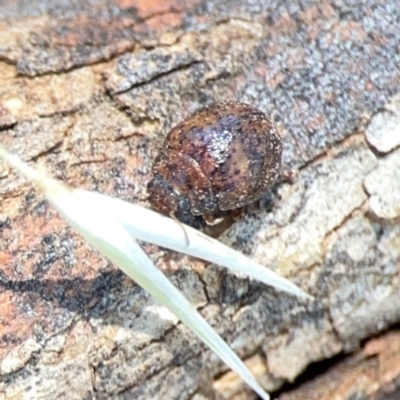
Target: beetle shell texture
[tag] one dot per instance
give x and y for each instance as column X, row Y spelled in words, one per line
column 223, row 157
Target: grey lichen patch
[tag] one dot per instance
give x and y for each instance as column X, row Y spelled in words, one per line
column 389, row 246
column 325, row 68
column 383, row 186
column 383, row 132
column 361, row 274
column 67, row 380
column 46, row 377
column 18, row 357
column 289, row 354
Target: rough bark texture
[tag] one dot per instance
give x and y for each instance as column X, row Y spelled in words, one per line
column 88, row 90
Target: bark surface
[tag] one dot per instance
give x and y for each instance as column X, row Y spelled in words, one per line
column 88, row 91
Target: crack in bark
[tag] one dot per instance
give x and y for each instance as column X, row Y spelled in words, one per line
column 182, row 67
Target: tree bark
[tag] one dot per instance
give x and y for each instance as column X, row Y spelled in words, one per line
column 89, row 90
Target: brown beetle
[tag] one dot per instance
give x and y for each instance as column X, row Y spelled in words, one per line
column 223, row 157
